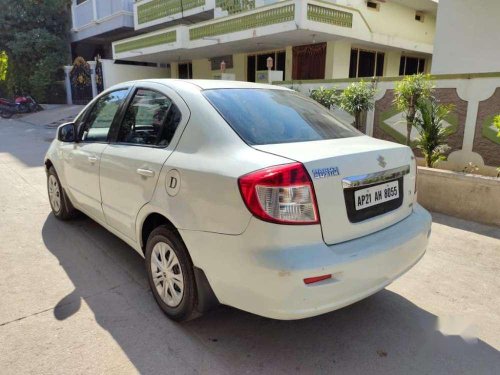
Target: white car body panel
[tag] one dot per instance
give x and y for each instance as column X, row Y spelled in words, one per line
column 250, row 264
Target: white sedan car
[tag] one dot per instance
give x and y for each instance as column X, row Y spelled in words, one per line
column 248, row 195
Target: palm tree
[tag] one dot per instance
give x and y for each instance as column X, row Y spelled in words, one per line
column 432, row 132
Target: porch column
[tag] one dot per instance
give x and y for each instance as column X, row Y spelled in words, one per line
column 239, row 66
column 393, row 58
column 92, row 78
column 338, row 57
column 67, row 83
column 288, row 63
column 174, row 70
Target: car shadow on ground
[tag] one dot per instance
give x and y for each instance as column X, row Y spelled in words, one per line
column 385, row 333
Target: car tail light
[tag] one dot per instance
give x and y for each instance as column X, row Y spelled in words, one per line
column 281, row 194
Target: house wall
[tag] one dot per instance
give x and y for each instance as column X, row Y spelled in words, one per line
column 467, row 37
column 395, row 20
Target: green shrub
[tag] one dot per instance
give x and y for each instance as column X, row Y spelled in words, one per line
column 326, row 97
column 357, row 99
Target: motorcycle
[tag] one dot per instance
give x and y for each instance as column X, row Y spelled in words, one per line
column 21, row 104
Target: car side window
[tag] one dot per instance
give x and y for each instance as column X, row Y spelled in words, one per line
column 98, row 121
column 151, row 119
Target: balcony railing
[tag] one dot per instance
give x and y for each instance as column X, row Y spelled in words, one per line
column 287, row 15
column 149, row 41
column 83, row 14
column 329, row 15
column 245, row 22
column 93, row 11
column 156, row 9
column 235, row 6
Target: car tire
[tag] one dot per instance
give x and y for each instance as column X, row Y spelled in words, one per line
column 170, row 274
column 59, row 201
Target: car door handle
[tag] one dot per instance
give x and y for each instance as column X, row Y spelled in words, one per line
column 92, row 159
column 145, row 172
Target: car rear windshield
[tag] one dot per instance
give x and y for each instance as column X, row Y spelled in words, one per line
column 267, row 116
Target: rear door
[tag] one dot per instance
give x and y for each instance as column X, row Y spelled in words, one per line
column 131, row 164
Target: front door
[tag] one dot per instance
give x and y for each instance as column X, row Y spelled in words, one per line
column 131, row 165
column 309, row 61
column 82, row 159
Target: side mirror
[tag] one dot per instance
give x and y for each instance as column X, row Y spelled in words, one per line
column 66, row 132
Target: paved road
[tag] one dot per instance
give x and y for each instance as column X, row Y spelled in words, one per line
column 74, row 299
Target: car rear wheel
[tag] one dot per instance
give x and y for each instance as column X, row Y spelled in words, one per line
column 59, row 202
column 170, row 274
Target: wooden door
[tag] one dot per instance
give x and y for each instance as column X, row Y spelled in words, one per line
column 309, row 61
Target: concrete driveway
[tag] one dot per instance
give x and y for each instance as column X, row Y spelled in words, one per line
column 75, row 299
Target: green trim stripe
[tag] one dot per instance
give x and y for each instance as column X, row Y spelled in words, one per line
column 489, row 133
column 148, row 41
column 157, row 9
column 328, row 15
column 267, row 17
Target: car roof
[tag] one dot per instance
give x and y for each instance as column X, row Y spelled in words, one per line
column 207, row 84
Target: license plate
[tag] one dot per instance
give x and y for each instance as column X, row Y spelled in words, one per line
column 377, row 194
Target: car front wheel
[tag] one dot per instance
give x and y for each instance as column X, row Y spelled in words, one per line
column 59, row 202
column 170, row 274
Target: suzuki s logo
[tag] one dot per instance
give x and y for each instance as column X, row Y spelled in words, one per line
column 381, row 161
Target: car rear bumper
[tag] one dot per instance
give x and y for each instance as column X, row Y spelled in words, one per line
column 262, row 270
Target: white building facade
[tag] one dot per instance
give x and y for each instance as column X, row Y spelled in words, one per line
column 306, row 39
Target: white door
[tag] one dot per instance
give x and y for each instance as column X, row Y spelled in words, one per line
column 131, row 165
column 82, row 159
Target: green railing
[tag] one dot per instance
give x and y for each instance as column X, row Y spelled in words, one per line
column 157, row 9
column 328, row 15
column 235, row 6
column 264, row 18
column 149, row 41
